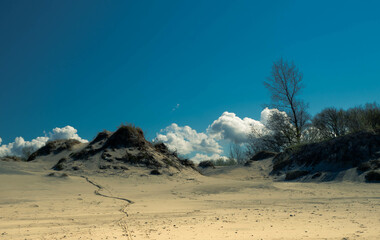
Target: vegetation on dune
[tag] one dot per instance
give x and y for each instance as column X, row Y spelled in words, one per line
column 295, row 174
column 217, row 162
column 290, row 128
column 285, row 85
column 206, row 164
column 372, row 176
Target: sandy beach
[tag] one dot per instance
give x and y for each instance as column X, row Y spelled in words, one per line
column 189, row 120
column 225, row 203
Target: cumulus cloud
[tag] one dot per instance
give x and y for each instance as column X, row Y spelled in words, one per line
column 67, row 132
column 20, row 147
column 185, row 140
column 231, row 127
column 235, row 129
column 202, row 157
column 205, row 145
column 266, row 114
column 1, row 140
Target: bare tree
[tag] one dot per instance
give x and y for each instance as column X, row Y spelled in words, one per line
column 331, row 123
column 278, row 135
column 371, row 113
column 236, row 153
column 285, row 85
column 365, row 118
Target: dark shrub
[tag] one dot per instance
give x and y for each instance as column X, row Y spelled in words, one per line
column 206, row 164
column 60, row 164
column 155, row 172
column 187, row 163
column 280, row 164
column 227, row 162
column 375, row 164
column 11, row 159
column 263, row 155
column 295, row 174
column 161, row 147
column 316, row 175
column 105, row 166
column 260, row 156
column 372, row 176
column 363, row 167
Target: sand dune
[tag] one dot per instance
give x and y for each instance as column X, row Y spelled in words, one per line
column 227, row 203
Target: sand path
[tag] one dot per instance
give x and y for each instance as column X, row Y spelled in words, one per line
column 123, row 223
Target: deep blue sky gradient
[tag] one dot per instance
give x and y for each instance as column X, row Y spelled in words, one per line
column 96, row 64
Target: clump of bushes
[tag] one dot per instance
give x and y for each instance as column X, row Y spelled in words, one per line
column 60, row 164
column 370, row 165
column 328, row 124
column 155, row 172
column 224, row 162
column 217, row 162
column 295, row 174
column 263, row 155
column 332, row 122
column 187, row 163
column 363, row 167
column 206, row 164
column 372, row 176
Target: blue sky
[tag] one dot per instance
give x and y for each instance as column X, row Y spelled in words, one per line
column 96, row 64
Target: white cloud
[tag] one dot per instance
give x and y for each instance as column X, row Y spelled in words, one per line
column 67, row 132
column 186, row 140
column 231, row 127
column 1, row 140
column 202, row 157
column 266, row 113
column 227, row 127
column 18, row 147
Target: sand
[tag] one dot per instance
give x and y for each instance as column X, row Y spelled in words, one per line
column 227, row 203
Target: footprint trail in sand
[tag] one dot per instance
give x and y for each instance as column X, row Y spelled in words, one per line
column 122, row 222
